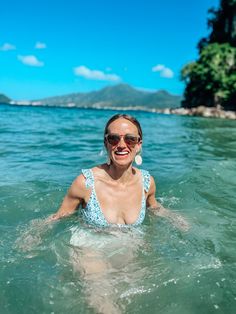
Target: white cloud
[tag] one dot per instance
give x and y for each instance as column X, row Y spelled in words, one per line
column 30, row 60
column 95, row 74
column 158, row 68
column 164, row 71
column 167, row 73
column 7, row 46
column 40, row 45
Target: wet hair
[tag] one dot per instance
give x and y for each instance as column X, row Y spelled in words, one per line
column 127, row 117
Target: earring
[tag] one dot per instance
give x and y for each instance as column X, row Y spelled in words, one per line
column 108, row 160
column 138, row 159
column 101, row 153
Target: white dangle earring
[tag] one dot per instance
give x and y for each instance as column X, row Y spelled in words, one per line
column 138, row 159
column 108, row 160
column 102, row 153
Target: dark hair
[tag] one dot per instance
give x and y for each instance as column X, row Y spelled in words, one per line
column 127, row 117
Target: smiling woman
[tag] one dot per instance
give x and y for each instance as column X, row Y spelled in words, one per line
column 100, row 192
column 113, row 195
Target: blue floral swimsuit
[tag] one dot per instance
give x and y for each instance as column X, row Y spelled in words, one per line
column 93, row 214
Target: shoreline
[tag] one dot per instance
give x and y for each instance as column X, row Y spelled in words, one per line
column 201, row 111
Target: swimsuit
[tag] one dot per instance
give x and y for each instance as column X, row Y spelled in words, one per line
column 93, row 214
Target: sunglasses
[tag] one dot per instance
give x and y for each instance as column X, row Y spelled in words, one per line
column 129, row 139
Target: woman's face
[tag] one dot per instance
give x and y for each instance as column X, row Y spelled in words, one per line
column 123, row 154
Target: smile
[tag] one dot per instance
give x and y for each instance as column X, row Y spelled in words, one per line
column 121, row 153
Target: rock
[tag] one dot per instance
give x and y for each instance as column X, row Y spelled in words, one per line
column 202, row 111
column 167, row 111
column 199, row 111
column 230, row 115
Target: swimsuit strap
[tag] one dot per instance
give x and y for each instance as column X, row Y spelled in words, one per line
column 89, row 178
column 93, row 214
column 146, row 179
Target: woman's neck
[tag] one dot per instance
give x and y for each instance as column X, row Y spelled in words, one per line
column 120, row 174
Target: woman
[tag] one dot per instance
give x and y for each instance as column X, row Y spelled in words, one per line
column 111, row 194
column 116, row 193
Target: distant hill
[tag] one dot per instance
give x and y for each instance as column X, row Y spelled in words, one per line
column 4, row 99
column 121, row 95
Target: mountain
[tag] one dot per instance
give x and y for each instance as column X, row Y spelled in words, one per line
column 121, row 95
column 4, row 99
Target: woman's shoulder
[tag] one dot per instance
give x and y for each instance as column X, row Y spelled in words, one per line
column 90, row 174
column 147, row 174
column 85, row 180
column 79, row 181
column 143, row 172
column 78, row 187
column 100, row 171
column 148, row 180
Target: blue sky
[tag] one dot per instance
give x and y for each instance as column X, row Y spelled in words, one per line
column 50, row 48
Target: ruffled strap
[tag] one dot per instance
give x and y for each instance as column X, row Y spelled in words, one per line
column 89, row 177
column 146, row 179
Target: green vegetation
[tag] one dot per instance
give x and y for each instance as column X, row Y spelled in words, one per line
column 211, row 80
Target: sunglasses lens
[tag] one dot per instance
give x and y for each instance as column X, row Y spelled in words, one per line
column 131, row 139
column 113, row 139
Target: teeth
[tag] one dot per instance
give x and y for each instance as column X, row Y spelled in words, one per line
column 122, row 153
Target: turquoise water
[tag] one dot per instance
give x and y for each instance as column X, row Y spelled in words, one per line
column 156, row 268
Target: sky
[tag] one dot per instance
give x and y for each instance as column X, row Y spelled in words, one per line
column 56, row 47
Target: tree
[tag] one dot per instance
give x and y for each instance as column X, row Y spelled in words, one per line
column 211, row 80
column 223, row 25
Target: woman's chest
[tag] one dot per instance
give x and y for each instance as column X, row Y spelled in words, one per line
column 119, row 203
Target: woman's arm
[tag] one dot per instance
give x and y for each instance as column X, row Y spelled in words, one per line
column 157, row 209
column 74, row 197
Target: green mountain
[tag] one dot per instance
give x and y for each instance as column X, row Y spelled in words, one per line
column 4, row 99
column 121, row 95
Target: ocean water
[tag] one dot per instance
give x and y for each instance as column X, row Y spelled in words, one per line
column 67, row 267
